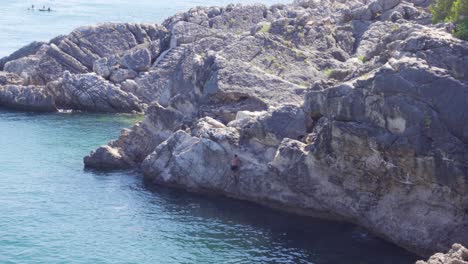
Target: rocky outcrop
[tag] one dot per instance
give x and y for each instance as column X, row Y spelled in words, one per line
column 30, row 98
column 352, row 110
column 10, row 78
column 116, row 52
column 90, row 92
column 136, row 144
column 457, row 255
column 30, row 49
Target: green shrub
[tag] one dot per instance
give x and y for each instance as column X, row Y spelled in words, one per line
column 265, row 28
column 452, row 11
column 441, row 10
column 362, row 58
column 462, row 30
column 299, row 55
column 271, row 58
column 395, row 27
column 328, row 72
column 459, row 11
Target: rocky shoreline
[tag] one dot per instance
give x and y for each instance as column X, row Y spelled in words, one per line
column 456, row 255
column 354, row 110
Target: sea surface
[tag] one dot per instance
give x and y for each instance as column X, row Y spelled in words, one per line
column 54, row 211
column 20, row 26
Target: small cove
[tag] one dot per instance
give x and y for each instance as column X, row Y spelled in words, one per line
column 54, row 211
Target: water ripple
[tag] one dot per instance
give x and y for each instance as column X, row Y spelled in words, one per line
column 53, row 211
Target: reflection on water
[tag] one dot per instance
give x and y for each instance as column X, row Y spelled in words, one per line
column 51, row 210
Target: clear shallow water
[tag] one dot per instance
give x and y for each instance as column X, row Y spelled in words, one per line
column 19, row 27
column 54, row 211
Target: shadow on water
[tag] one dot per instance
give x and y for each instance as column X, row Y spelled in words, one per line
column 153, row 224
column 317, row 240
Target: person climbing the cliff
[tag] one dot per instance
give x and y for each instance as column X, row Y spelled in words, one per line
column 235, row 164
column 235, row 167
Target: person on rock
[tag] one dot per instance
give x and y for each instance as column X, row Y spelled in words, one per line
column 235, row 164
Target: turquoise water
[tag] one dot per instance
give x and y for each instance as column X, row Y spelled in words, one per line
column 54, row 211
column 18, row 26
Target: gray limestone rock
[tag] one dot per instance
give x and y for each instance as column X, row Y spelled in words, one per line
column 456, row 255
column 138, row 59
column 133, row 146
column 93, row 93
column 29, row 98
column 378, row 141
column 10, row 78
column 120, row 75
column 353, row 110
column 106, row 49
column 106, row 157
column 27, row 50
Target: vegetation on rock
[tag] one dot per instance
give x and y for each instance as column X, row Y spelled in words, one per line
column 452, row 11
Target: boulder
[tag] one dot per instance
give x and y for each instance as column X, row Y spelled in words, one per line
column 29, row 98
column 138, row 59
column 457, row 255
column 104, row 66
column 133, row 146
column 93, row 93
column 10, row 78
column 120, row 75
column 25, row 51
column 106, row 157
column 25, row 68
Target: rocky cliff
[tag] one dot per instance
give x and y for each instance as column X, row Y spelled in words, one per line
column 352, row 110
column 456, row 255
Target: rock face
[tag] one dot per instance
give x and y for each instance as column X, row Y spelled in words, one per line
column 353, row 110
column 65, row 66
column 457, row 255
column 26, row 98
column 93, row 93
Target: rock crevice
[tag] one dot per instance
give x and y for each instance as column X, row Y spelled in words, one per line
column 353, row 110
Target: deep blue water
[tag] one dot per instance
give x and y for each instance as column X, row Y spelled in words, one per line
column 54, row 211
